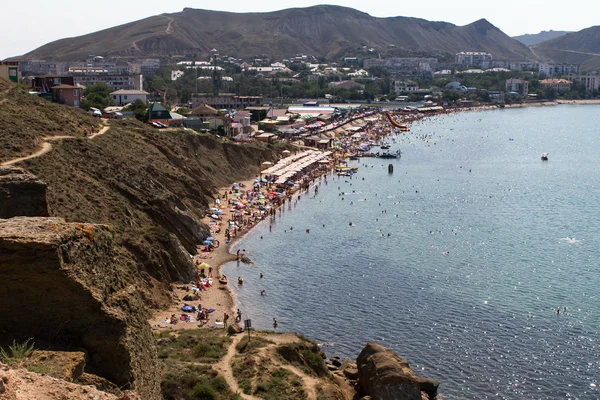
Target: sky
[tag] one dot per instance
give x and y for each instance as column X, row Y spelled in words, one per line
column 42, row 21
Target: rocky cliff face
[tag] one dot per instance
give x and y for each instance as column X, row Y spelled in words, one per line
column 384, row 375
column 152, row 187
column 21, row 194
column 62, row 287
column 19, row 384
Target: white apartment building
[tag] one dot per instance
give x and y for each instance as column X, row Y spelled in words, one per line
column 474, row 59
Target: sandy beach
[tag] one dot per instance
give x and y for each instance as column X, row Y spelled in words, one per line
column 219, row 297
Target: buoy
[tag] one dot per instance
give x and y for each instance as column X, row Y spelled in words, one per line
column 390, row 168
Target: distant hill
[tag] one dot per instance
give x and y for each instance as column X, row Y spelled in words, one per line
column 581, row 47
column 323, row 31
column 530, row 39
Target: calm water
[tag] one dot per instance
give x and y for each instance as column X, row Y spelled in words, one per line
column 486, row 242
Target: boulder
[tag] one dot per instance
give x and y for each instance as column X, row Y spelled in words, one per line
column 63, row 287
column 66, row 365
column 21, row 194
column 384, row 375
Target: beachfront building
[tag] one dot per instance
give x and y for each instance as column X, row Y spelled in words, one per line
column 474, row 59
column 559, row 85
column 518, row 86
column 228, row 101
column 590, row 81
column 405, row 87
column 551, row 70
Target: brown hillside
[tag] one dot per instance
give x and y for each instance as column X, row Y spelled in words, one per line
column 26, row 119
column 151, row 186
column 581, row 47
column 326, row 31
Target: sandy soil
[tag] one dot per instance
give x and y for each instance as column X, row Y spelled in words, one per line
column 219, row 296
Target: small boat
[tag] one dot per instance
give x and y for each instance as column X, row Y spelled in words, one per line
column 544, row 157
column 385, row 146
column 388, row 154
column 223, row 280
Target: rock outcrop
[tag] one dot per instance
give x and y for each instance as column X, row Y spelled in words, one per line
column 62, row 287
column 383, row 375
column 20, row 384
column 21, row 194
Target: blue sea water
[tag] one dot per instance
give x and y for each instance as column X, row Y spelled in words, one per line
column 486, row 242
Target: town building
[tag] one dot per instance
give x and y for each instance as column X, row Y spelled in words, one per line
column 43, row 67
column 474, row 59
column 560, row 85
column 590, row 81
column 346, row 85
column 518, row 86
column 147, row 67
column 126, row 96
column 228, row 101
column 551, row 70
column 9, row 70
column 66, row 94
column 408, row 66
column 44, row 83
column 405, row 87
column 88, row 76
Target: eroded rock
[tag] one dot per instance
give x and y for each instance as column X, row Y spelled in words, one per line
column 384, row 375
column 21, row 194
column 62, row 287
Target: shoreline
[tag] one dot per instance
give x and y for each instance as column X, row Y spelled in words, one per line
column 221, row 297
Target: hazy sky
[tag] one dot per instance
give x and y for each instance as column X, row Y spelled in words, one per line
column 31, row 24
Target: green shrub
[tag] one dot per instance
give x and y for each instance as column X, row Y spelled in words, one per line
column 18, row 351
column 203, row 391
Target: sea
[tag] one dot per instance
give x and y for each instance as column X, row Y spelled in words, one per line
column 474, row 260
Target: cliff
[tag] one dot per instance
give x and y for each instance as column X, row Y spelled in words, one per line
column 62, row 287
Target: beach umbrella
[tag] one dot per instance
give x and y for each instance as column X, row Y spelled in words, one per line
column 204, row 265
column 267, row 163
column 211, row 238
column 214, row 216
column 207, row 242
column 220, row 212
column 213, row 209
column 286, row 152
column 263, row 180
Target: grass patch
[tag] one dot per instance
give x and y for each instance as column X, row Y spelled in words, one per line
column 306, row 355
column 248, row 346
column 17, row 351
column 199, row 345
column 195, row 382
column 280, row 385
column 245, row 370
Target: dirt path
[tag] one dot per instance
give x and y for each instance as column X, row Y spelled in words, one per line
column 224, row 368
column 47, row 146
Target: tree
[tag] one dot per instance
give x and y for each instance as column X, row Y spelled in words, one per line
column 97, row 96
column 139, row 109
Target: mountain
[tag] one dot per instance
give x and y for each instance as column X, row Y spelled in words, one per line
column 581, row 47
column 323, row 31
column 529, row 39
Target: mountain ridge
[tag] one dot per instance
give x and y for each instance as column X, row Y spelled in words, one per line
column 325, row 31
column 530, row 39
column 582, row 47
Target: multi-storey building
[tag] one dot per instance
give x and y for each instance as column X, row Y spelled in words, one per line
column 551, row 70
column 408, row 66
column 517, row 85
column 474, row 59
